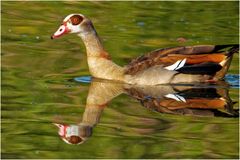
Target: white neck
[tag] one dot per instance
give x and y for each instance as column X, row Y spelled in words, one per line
column 99, row 62
column 93, row 44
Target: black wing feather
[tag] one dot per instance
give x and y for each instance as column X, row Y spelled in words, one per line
column 208, row 68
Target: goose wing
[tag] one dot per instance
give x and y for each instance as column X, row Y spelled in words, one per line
column 200, row 59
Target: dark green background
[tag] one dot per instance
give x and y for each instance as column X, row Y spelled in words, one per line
column 36, row 70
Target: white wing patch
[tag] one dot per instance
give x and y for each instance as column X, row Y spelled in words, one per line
column 177, row 65
column 176, row 97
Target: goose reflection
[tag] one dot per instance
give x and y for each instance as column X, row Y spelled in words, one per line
column 204, row 101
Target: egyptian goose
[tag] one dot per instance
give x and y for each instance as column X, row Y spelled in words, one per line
column 201, row 63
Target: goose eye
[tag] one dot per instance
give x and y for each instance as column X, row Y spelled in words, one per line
column 76, row 19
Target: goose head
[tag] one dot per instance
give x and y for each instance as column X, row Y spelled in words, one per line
column 74, row 134
column 73, row 23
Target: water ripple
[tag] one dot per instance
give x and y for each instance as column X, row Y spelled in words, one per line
column 83, row 79
column 233, row 80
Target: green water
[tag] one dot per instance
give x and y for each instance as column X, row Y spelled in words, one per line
column 36, row 90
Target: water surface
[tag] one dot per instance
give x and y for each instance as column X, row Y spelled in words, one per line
column 38, row 87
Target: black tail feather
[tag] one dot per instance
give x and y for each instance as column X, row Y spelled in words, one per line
column 229, row 48
column 234, row 49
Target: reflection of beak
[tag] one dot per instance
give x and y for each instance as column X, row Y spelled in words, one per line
column 61, row 31
column 58, row 125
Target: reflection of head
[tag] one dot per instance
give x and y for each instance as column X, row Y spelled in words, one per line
column 74, row 134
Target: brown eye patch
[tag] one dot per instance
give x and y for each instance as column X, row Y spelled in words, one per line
column 76, row 19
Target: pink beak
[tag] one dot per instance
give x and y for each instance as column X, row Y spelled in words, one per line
column 56, row 124
column 62, row 129
column 61, row 31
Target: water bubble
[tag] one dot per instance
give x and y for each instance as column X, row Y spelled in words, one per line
column 118, row 128
column 181, row 39
column 9, row 30
column 182, row 19
column 140, row 24
column 122, row 29
column 37, row 37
